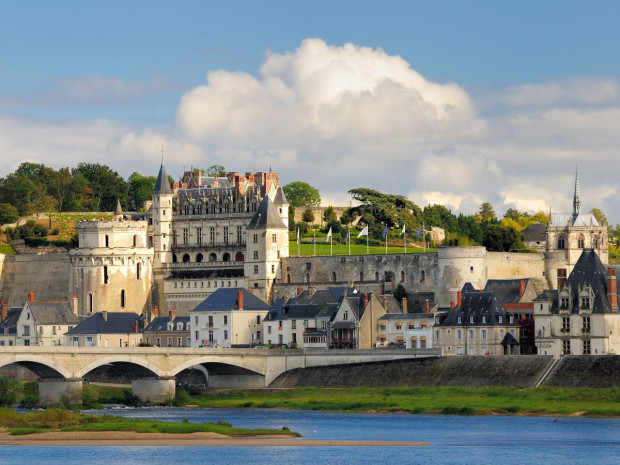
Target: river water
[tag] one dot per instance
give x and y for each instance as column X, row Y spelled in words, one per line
column 453, row 440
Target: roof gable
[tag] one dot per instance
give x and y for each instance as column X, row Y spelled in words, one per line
column 227, row 299
column 266, row 217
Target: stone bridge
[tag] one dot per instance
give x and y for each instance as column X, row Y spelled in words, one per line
column 62, row 369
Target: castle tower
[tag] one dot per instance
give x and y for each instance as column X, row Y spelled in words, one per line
column 162, row 219
column 281, row 204
column 267, row 241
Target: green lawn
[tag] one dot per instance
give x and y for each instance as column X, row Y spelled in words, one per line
column 323, row 248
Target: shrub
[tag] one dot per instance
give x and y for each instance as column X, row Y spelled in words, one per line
column 10, row 392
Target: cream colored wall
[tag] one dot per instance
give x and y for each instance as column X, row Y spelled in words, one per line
column 369, row 324
column 99, row 340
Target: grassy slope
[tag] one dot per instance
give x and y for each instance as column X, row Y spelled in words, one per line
column 323, row 248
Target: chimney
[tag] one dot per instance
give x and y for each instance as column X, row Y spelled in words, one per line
column 155, row 311
column 300, row 290
column 251, row 289
column 459, row 297
column 451, row 305
column 240, row 299
column 135, row 326
column 522, row 286
column 285, row 298
column 73, row 304
column 4, row 310
column 404, row 305
column 312, row 289
column 427, row 306
column 171, row 314
column 30, row 296
column 365, row 300
column 612, row 288
column 104, row 314
column 561, row 278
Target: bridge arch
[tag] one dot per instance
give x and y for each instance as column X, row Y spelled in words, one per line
column 214, row 366
column 135, row 365
column 43, row 367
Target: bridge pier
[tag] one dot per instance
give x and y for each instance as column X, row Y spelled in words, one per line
column 154, row 390
column 58, row 390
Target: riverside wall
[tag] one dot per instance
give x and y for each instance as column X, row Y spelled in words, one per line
column 526, row 371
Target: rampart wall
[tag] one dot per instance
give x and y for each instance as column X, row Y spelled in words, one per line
column 502, row 265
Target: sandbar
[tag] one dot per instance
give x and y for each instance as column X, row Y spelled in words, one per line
column 129, row 438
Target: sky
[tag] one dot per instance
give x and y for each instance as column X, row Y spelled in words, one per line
column 448, row 102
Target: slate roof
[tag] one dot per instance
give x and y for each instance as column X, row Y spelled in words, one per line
column 536, row 232
column 226, row 299
column 162, row 186
column 507, row 291
column 266, row 217
column 582, row 219
column 390, row 303
column 52, row 313
column 280, row 198
column 160, row 324
column 407, row 316
column 117, row 323
column 478, row 305
column 320, row 304
column 9, row 324
column 589, row 271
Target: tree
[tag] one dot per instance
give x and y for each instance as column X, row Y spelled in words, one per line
column 486, row 212
column 140, row 190
column 378, row 210
column 302, row 194
column 308, row 215
column 10, row 392
column 600, row 216
column 19, row 191
column 501, row 238
column 400, row 293
column 60, row 185
column 107, row 185
column 329, row 215
column 8, row 213
column 214, row 170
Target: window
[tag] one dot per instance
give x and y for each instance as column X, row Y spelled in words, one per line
column 257, row 319
column 422, row 276
column 585, row 324
column 179, row 342
column 458, row 320
column 226, row 235
column 565, row 324
column 293, row 324
column 471, row 319
column 581, row 241
column 139, row 271
column 586, row 347
column 90, row 302
column 210, row 335
column 273, row 268
column 225, row 334
column 437, row 334
column 255, row 238
column 274, row 238
column 459, row 334
column 483, row 334
column 269, row 329
column 561, row 243
column 210, row 321
column 174, row 237
column 199, row 236
column 107, row 241
column 255, row 269
column 471, row 334
column 255, row 255
column 225, row 319
column 484, row 319
column 122, row 298
column 212, row 235
column 564, row 301
column 566, row 347
column 239, row 235
column 308, row 266
column 585, row 302
column 185, row 236
column 196, row 335
column 120, row 342
column 345, row 316
column 26, row 331
column 105, row 274
column 169, row 342
column 500, row 319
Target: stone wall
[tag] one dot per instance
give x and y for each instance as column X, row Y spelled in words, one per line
column 502, row 265
column 47, row 275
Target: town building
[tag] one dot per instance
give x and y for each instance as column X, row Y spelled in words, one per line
column 581, row 317
column 8, row 324
column 168, row 331
column 230, row 317
column 107, row 329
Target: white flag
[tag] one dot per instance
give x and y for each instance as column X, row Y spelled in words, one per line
column 298, row 235
column 364, row 232
column 329, row 234
column 403, row 231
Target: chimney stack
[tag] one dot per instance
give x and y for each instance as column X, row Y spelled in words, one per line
column 4, row 310
column 300, row 290
column 73, row 303
column 104, row 314
column 561, row 278
column 612, row 288
column 155, row 311
column 522, row 286
column 365, row 300
column 30, row 296
column 312, row 289
column 285, row 298
column 459, row 297
column 135, row 326
column 451, row 305
column 240, row 299
column 427, row 306
column 171, row 314
column 404, row 305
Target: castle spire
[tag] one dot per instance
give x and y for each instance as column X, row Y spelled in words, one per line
column 576, row 200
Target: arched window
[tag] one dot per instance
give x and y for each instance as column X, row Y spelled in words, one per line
column 239, row 257
column 107, row 241
column 402, row 276
column 226, row 257
column 288, row 278
column 105, row 274
column 135, row 240
column 561, row 243
column 199, row 258
column 151, row 241
column 581, row 241
column 595, row 242
column 422, row 276
column 212, row 257
column 186, row 258
column 334, row 276
column 90, row 302
column 122, row 298
column 139, row 271
column 174, row 258
column 361, row 275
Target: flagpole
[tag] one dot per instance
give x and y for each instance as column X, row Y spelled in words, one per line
column 367, row 234
column 386, row 234
column 331, row 245
column 349, row 239
column 298, row 241
column 424, row 236
column 314, row 240
column 405, row 237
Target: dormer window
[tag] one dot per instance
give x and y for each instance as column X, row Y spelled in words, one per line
column 500, row 319
column 471, row 319
column 459, row 320
column 564, row 301
column 585, row 302
column 484, row 319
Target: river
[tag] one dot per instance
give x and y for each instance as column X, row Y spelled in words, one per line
column 453, row 440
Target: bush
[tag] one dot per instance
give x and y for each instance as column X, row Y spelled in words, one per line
column 8, row 213
column 10, row 392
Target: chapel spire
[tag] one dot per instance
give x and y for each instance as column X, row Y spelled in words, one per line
column 576, row 200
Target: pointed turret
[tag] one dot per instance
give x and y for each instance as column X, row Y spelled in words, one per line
column 118, row 213
column 162, row 186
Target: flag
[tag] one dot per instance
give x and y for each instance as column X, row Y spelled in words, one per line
column 329, row 234
column 364, row 232
column 298, row 235
column 419, row 231
column 403, row 231
column 384, row 233
column 346, row 239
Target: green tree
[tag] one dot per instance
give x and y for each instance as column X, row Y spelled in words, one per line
column 140, row 190
column 486, row 212
column 106, row 184
column 19, row 191
column 291, row 217
column 10, row 392
column 600, row 216
column 400, row 293
column 8, row 213
column 329, row 215
column 308, row 215
column 501, row 238
column 60, row 185
column 302, row 194
column 214, row 170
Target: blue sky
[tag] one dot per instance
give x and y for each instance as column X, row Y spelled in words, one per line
column 447, row 102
